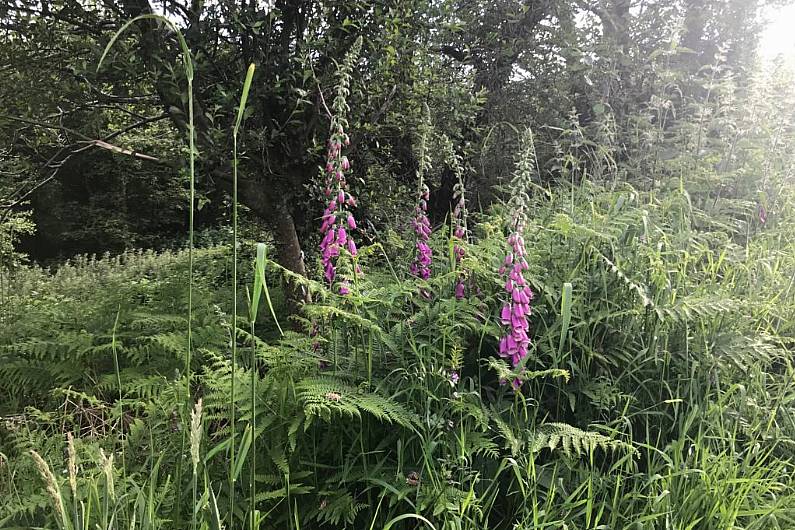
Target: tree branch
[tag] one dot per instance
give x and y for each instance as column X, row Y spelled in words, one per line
column 56, row 162
column 455, row 53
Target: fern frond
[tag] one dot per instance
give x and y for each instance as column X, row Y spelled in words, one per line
column 326, row 397
column 571, row 439
column 505, row 373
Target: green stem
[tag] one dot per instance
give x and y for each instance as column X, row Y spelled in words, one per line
column 234, row 333
column 252, row 476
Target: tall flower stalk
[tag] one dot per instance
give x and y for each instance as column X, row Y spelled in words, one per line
column 459, row 218
column 423, row 256
column 513, row 316
column 338, row 220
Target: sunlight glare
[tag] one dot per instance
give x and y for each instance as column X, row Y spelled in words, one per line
column 778, row 37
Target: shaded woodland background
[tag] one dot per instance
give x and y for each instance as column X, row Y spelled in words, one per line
column 623, row 72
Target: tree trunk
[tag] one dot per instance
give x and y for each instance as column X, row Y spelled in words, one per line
column 263, row 199
column 290, row 256
column 279, row 218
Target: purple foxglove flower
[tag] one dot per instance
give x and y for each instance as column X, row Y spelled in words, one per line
column 329, row 237
column 510, row 343
column 506, row 315
column 335, row 236
column 459, row 219
column 515, row 343
column 459, row 290
column 421, row 266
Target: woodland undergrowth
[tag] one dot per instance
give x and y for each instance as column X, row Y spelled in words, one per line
column 591, row 352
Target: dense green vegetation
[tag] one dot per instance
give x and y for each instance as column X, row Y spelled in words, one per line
column 189, row 340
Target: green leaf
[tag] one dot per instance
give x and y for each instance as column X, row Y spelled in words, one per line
column 244, row 97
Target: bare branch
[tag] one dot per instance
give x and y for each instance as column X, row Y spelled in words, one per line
column 57, row 161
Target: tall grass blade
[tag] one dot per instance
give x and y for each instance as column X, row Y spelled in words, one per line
column 565, row 312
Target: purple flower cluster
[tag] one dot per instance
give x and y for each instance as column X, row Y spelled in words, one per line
column 459, row 216
column 337, row 219
column 514, row 313
column 421, row 267
column 514, row 345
